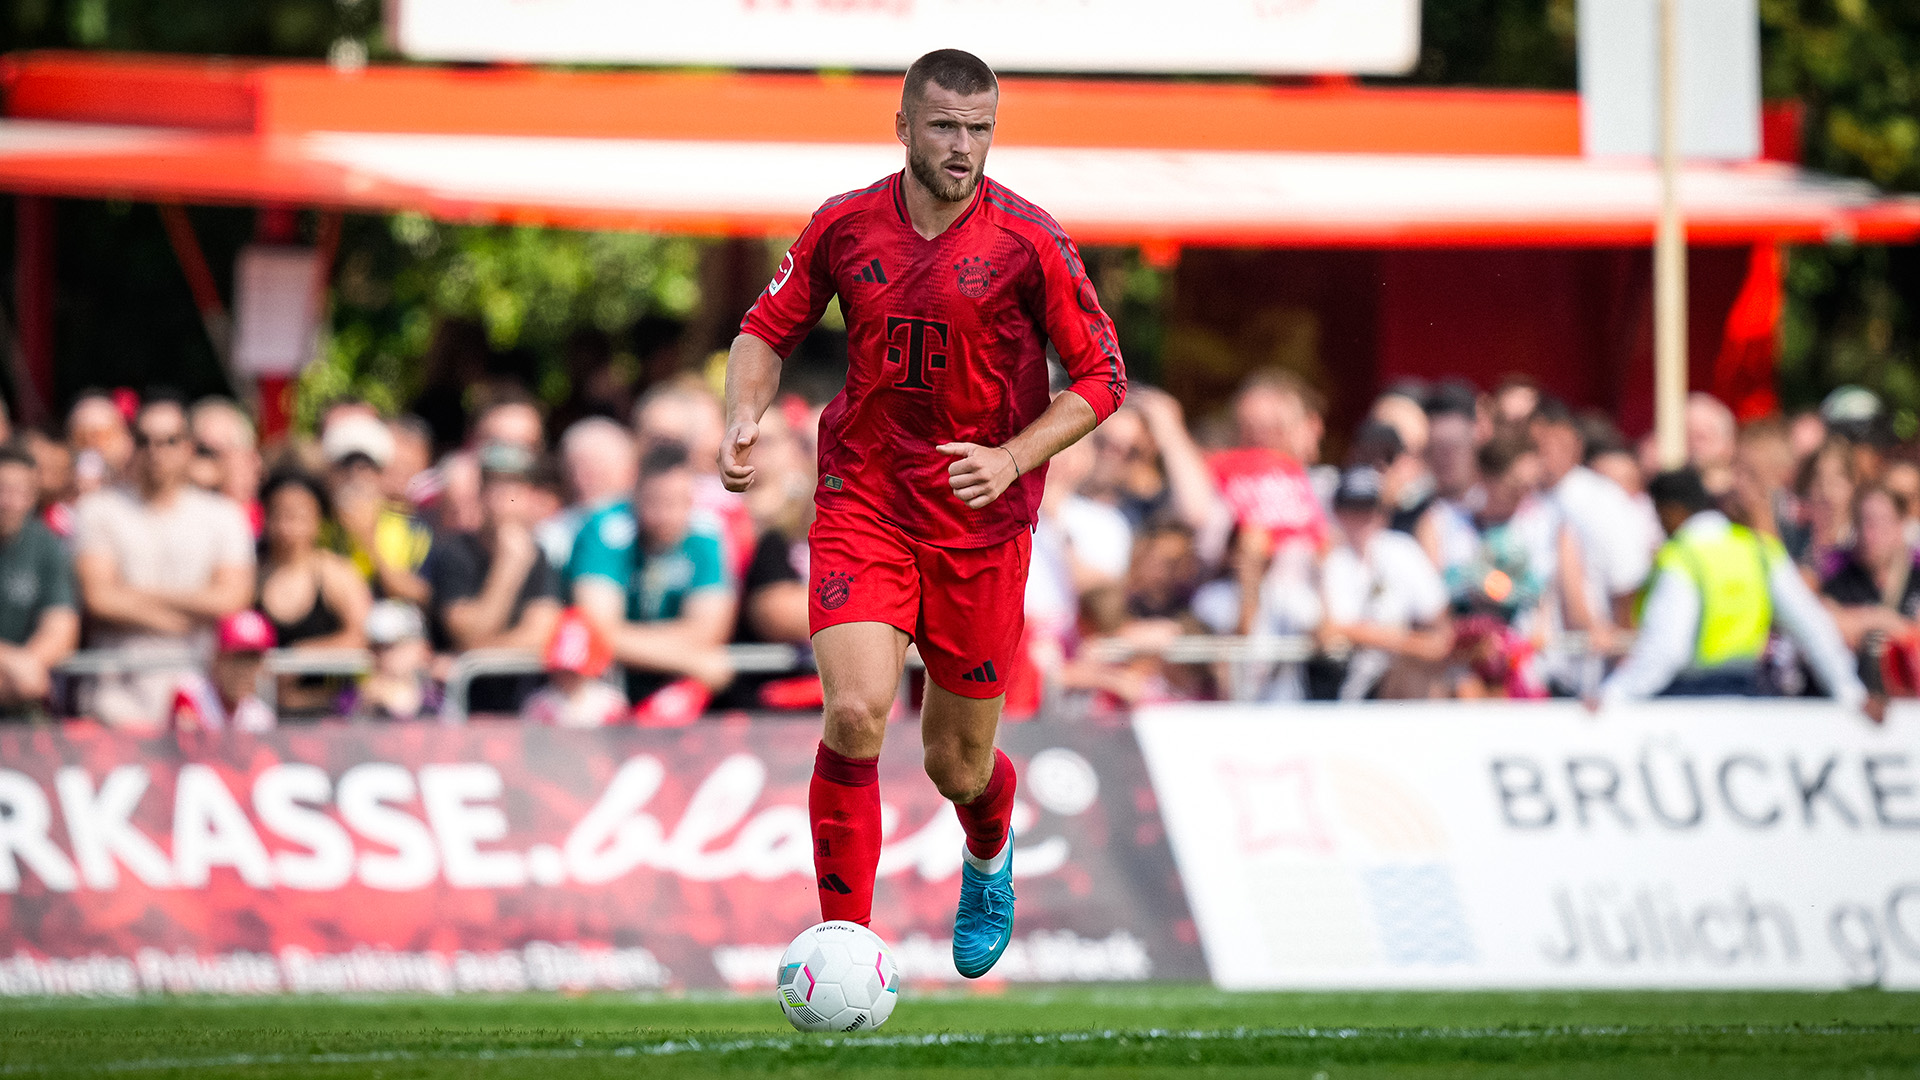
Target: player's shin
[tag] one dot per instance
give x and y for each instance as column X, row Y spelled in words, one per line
column 989, row 815
column 844, row 803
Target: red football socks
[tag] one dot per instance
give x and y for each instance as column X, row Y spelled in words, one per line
column 844, row 802
column 988, row 817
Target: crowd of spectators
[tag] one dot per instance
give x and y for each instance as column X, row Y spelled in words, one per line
column 1460, row 543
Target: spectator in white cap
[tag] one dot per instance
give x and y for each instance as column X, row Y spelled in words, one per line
column 387, row 545
column 399, row 687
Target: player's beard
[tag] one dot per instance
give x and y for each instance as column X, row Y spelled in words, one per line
column 932, row 176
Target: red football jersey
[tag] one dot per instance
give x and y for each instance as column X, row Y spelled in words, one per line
column 946, row 341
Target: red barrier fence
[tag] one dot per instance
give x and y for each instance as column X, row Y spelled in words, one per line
column 340, row 858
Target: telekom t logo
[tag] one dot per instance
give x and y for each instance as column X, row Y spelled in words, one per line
column 913, row 351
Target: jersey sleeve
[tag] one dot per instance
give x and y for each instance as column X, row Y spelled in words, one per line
column 1079, row 328
column 793, row 301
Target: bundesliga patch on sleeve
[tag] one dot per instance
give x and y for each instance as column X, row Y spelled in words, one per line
column 832, row 483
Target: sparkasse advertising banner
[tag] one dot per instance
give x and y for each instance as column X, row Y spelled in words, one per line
column 1674, row 844
column 1376, row 37
column 345, row 858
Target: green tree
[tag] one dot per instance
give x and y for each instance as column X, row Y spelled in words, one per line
column 1851, row 310
column 530, row 289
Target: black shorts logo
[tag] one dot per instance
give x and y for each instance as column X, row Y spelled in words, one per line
column 975, row 273
column 834, row 590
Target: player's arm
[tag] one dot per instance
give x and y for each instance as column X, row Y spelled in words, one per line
column 980, row 474
column 787, row 308
column 753, row 377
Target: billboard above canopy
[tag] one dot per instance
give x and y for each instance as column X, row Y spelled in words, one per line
column 1266, row 37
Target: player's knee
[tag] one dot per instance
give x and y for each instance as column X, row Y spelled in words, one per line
column 856, row 725
column 958, row 778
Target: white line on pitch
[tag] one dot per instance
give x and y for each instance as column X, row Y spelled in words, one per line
column 675, row 1047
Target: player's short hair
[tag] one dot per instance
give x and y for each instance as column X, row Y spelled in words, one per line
column 961, row 72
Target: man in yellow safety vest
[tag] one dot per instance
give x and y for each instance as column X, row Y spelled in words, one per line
column 1716, row 593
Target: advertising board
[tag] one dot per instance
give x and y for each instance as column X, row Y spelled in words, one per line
column 1674, row 844
column 500, row 857
column 1376, row 37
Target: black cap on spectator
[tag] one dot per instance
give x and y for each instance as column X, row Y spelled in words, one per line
column 1682, row 488
column 163, row 395
column 1601, row 435
column 1455, row 396
column 1376, row 444
column 663, row 458
column 1359, row 489
column 1552, row 410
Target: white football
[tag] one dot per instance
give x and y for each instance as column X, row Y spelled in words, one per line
column 837, row 976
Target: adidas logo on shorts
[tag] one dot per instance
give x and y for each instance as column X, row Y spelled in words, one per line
column 983, row 673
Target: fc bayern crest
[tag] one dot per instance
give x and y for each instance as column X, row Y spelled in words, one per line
column 834, row 589
column 976, row 274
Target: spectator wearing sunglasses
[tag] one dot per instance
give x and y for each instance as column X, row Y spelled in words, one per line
column 158, row 564
column 226, row 455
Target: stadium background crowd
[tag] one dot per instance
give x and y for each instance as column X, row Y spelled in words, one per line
column 1463, row 543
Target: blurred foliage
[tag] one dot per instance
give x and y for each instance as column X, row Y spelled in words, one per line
column 1514, row 43
column 229, row 27
column 1851, row 311
column 531, row 290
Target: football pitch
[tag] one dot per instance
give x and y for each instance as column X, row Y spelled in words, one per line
column 1100, row 1032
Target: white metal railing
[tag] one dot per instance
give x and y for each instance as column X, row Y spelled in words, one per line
column 1243, row 654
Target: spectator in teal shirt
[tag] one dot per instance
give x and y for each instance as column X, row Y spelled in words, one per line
column 655, row 582
column 39, row 618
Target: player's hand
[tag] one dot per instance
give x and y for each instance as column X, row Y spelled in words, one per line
column 735, row 473
column 980, row 473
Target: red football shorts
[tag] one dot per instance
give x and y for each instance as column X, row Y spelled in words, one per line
column 965, row 607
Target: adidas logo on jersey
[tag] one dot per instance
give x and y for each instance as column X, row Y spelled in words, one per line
column 983, row 673
column 872, row 272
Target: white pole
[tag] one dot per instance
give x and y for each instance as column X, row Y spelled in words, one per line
column 1670, row 261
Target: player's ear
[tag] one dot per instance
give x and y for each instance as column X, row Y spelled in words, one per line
column 901, row 126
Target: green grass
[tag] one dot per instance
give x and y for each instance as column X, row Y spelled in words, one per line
column 1079, row 1033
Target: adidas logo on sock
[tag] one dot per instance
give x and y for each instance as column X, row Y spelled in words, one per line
column 983, row 673
column 832, row 883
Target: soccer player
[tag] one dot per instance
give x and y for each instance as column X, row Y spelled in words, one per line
column 932, row 461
